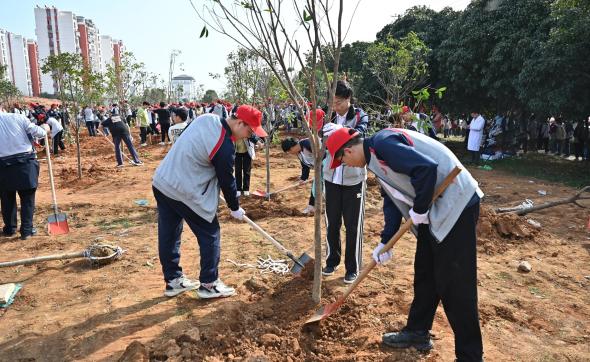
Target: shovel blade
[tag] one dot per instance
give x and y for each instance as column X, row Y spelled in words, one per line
column 325, row 311
column 259, row 193
column 301, row 263
column 57, row 224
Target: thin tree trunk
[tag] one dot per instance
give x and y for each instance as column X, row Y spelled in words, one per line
column 572, row 199
column 78, row 151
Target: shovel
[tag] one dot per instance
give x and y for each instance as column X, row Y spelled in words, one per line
column 264, row 194
column 98, row 254
column 328, row 309
column 299, row 263
column 57, row 224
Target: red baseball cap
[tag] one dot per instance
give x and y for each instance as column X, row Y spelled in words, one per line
column 337, row 140
column 319, row 116
column 252, row 117
column 405, row 109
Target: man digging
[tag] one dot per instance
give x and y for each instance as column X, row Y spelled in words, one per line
column 186, row 187
column 409, row 165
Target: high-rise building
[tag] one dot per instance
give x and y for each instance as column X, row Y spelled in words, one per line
column 57, row 32
column 34, row 66
column 5, row 60
column 15, row 56
column 90, row 46
column 107, row 52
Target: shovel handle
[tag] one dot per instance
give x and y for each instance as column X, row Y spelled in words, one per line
column 268, row 237
column 291, row 186
column 402, row 230
column 38, row 259
column 50, row 168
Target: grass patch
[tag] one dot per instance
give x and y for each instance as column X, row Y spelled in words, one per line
column 123, row 223
column 536, row 165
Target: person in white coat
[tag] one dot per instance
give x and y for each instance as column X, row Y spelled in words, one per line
column 475, row 135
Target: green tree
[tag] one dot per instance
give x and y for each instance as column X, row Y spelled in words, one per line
column 8, row 92
column 78, row 85
column 399, row 65
column 210, row 96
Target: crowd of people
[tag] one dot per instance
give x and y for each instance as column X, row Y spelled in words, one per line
column 213, row 148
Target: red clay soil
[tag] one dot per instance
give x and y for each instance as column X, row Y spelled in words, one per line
column 74, row 311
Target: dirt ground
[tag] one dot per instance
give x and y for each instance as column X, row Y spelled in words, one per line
column 72, row 310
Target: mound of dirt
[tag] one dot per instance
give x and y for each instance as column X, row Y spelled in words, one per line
column 270, row 328
column 92, row 173
column 258, row 208
column 496, row 231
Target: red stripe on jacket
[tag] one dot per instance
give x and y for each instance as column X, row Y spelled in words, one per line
column 218, row 145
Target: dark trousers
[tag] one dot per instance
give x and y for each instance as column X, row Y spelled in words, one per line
column 118, row 155
column 447, row 272
column 544, row 143
column 243, row 168
column 91, row 129
column 345, row 203
column 143, row 131
column 579, row 150
column 164, row 127
column 475, row 157
column 105, row 130
column 9, row 208
column 58, row 142
column 154, row 129
column 171, row 214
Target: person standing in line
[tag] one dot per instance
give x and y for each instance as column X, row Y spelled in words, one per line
column 532, row 133
column 475, row 136
column 19, row 172
column 88, row 115
column 344, row 191
column 144, row 123
column 245, row 153
column 164, row 120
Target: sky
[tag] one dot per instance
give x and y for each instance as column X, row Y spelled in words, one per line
column 151, row 29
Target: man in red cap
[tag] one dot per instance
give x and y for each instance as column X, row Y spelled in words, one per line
column 186, row 187
column 409, row 166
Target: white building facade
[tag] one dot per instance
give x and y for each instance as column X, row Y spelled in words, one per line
column 14, row 55
column 184, row 87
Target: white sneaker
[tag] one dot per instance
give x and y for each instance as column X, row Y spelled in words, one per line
column 143, row 144
column 162, row 143
column 239, row 193
column 309, row 209
column 246, row 193
column 179, row 285
column 120, row 166
column 169, row 142
column 215, row 290
column 136, row 163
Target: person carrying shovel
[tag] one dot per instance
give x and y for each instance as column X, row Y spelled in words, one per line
column 409, row 165
column 186, row 187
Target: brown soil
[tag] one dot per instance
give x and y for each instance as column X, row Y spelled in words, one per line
column 75, row 311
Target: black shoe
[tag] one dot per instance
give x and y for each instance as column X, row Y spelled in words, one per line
column 8, row 233
column 26, row 236
column 328, row 270
column 349, row 278
column 406, row 339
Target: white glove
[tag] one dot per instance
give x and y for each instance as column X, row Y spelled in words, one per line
column 419, row 218
column 329, row 128
column 379, row 257
column 238, row 214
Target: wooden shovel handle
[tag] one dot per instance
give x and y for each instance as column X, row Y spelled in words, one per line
column 291, row 186
column 402, row 230
column 38, row 259
column 50, row 168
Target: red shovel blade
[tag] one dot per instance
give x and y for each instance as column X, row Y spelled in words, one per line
column 259, row 193
column 57, row 224
column 325, row 311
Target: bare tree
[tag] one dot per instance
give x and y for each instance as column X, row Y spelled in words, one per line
column 266, row 28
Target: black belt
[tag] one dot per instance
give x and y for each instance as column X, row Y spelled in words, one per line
column 16, row 156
